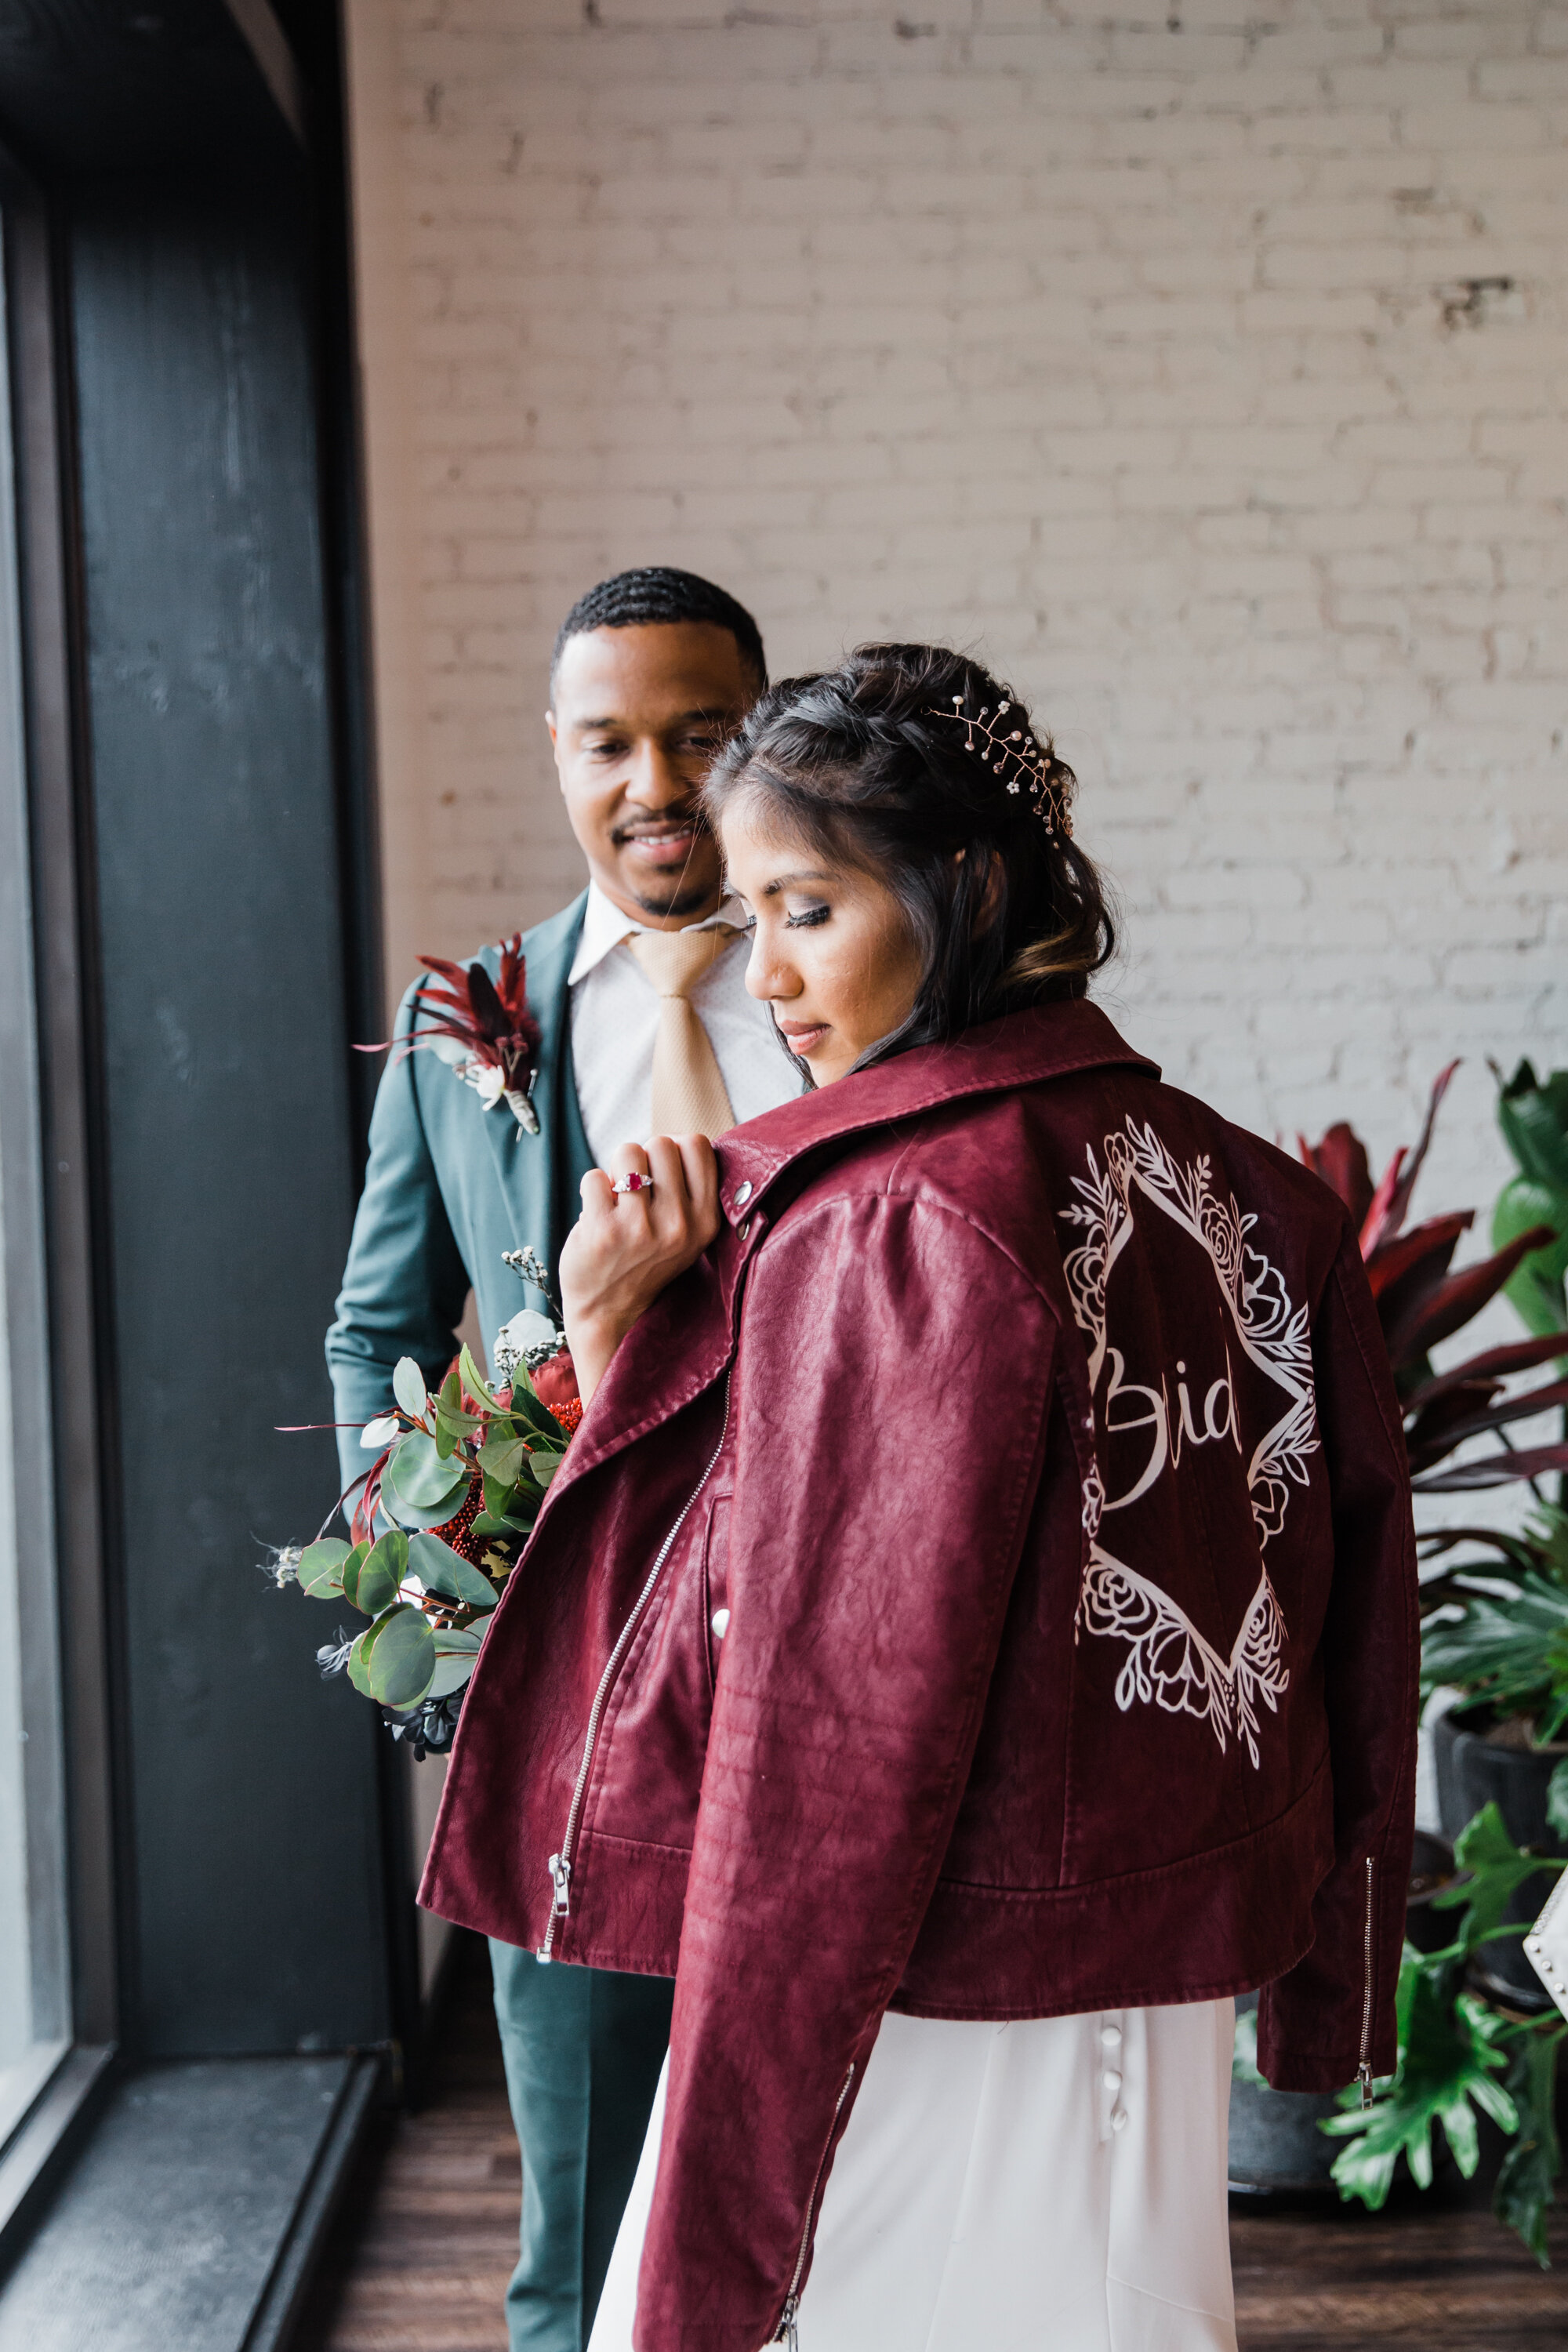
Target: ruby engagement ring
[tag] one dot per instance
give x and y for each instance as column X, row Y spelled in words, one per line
column 635, row 1183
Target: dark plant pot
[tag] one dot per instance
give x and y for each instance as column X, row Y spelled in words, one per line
column 1473, row 1770
column 1276, row 2147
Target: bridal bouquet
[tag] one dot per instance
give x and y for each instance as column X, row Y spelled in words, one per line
column 460, row 1476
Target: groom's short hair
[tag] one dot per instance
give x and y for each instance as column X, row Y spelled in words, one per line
column 657, row 593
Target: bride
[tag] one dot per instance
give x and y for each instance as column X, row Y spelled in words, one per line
column 972, row 1633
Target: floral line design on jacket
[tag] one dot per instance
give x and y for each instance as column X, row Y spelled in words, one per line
column 1169, row 1660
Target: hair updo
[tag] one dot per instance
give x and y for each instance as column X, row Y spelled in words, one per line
column 872, row 764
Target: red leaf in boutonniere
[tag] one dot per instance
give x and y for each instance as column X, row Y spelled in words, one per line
column 483, row 1028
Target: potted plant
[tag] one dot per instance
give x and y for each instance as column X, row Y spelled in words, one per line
column 1454, row 2043
column 1496, row 1625
column 1533, row 1115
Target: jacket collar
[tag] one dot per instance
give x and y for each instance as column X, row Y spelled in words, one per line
column 1021, row 1049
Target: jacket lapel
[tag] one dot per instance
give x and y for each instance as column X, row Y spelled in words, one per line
column 539, row 1174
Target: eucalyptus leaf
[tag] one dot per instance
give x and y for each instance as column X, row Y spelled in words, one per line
column 402, row 1659
column 544, row 1466
column 378, row 1570
column 450, row 1674
column 441, row 1569
column 321, row 1569
column 408, row 1387
column 419, row 1475
column 473, row 1378
column 499, row 1523
column 358, row 1670
column 377, row 1586
column 410, row 1515
column 501, row 1458
column 457, row 1641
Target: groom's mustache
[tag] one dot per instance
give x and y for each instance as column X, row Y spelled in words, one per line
column 654, row 828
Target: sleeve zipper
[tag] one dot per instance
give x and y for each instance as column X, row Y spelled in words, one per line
column 560, row 1864
column 1363, row 2072
column 787, row 2331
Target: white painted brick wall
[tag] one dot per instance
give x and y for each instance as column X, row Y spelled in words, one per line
column 1202, row 367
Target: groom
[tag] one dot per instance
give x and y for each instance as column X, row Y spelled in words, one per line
column 651, row 669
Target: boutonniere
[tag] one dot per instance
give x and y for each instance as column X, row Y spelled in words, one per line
column 483, row 1029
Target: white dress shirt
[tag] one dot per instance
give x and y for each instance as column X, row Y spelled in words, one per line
column 615, row 1020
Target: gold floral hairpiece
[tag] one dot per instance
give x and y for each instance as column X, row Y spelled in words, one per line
column 1015, row 757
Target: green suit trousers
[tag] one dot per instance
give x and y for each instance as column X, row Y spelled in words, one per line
column 583, row 2049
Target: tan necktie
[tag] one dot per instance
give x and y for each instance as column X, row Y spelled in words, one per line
column 690, row 1096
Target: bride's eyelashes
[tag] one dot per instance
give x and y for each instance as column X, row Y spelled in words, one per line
column 807, row 919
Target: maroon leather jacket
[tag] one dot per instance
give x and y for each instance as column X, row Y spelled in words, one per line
column 983, row 1586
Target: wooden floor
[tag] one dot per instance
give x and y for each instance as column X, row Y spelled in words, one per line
column 421, row 2257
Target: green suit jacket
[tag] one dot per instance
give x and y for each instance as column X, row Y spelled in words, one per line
column 449, row 1187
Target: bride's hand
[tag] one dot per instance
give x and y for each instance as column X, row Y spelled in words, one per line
column 628, row 1246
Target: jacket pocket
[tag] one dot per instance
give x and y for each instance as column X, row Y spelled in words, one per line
column 715, row 1585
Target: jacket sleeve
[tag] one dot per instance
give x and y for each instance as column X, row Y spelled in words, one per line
column 892, row 1388
column 1334, row 2012
column 405, row 1284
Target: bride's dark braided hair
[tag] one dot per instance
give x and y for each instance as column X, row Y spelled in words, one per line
column 888, row 765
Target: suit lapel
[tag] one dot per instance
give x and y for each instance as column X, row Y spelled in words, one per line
column 539, row 1174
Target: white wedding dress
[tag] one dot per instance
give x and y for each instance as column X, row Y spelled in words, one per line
column 1052, row 2186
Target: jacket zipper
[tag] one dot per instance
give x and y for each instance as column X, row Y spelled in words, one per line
column 560, row 1864
column 787, row 2331
column 1363, row 2072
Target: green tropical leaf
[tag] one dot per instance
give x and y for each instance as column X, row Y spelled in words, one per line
column 1526, row 2184
column 1448, row 2067
column 1511, row 1645
column 401, row 1660
column 441, row 1569
column 1557, row 1799
column 321, row 1570
column 1535, row 1287
column 1533, row 1115
column 1495, row 1867
column 408, row 1387
column 418, row 1476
